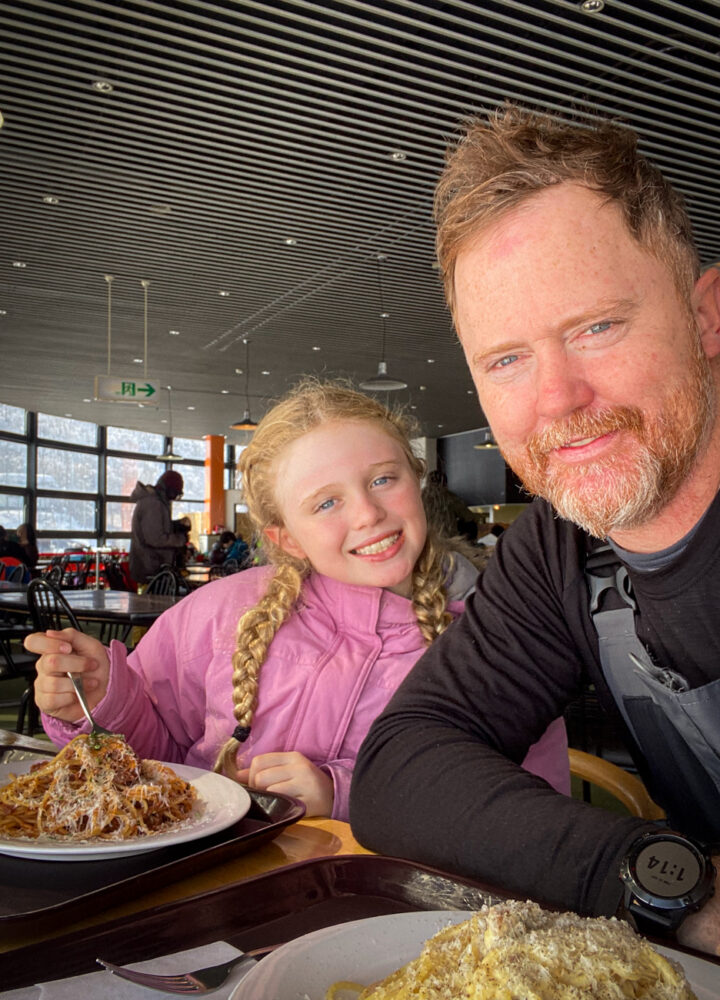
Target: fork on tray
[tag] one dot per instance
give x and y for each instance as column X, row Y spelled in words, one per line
column 185, row 983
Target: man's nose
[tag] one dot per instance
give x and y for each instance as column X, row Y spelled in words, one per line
column 561, row 386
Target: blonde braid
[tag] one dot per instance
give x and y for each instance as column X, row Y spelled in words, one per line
column 429, row 594
column 255, row 631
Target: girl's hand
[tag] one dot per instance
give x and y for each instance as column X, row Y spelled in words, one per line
column 291, row 774
column 63, row 652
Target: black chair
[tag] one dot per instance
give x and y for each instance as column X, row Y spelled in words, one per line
column 164, row 582
column 48, row 607
column 16, row 574
column 16, row 664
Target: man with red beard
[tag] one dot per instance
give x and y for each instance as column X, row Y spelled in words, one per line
column 594, row 343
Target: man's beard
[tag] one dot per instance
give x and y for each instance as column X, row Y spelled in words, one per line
column 622, row 491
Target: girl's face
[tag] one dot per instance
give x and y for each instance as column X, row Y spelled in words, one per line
column 351, row 505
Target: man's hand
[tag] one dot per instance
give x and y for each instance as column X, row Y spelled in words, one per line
column 701, row 930
column 63, row 652
column 291, row 774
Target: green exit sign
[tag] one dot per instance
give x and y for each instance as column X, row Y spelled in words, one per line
column 114, row 389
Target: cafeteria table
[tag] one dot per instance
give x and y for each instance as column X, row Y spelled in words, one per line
column 117, row 606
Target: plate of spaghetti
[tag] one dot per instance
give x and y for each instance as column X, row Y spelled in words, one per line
column 96, row 799
column 511, row 950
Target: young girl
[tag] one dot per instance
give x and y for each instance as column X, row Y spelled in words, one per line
column 273, row 675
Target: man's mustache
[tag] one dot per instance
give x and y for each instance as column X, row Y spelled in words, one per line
column 578, row 426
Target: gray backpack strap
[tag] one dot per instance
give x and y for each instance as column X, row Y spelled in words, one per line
column 631, row 674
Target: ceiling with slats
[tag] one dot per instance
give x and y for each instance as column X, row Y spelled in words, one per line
column 284, row 152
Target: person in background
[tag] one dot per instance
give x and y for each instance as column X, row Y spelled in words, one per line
column 273, row 675
column 228, row 546
column 593, row 339
column 11, row 552
column 446, row 510
column 155, row 539
column 27, row 541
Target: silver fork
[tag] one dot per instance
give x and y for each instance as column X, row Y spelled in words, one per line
column 78, row 685
column 199, row 981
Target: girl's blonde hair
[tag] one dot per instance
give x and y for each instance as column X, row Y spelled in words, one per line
column 309, row 405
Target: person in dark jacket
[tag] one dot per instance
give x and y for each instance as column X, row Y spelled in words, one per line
column 27, row 541
column 593, row 337
column 156, row 540
column 10, row 550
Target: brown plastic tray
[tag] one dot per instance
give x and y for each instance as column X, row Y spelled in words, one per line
column 268, row 909
column 38, row 893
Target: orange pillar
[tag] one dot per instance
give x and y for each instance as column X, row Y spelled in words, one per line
column 214, row 473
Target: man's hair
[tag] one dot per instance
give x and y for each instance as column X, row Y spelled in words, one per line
column 504, row 159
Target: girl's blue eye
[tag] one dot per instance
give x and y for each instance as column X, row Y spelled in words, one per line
column 326, row 505
column 381, row 480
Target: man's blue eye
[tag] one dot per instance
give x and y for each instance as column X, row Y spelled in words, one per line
column 600, row 327
column 507, row 360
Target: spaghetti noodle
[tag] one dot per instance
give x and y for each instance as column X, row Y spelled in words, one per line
column 92, row 790
column 518, row 951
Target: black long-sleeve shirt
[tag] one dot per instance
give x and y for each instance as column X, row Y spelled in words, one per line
column 437, row 779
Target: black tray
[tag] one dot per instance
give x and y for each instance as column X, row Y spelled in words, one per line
column 37, row 893
column 267, row 909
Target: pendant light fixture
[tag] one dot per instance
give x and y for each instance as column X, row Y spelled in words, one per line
column 247, row 423
column 169, row 455
column 382, row 382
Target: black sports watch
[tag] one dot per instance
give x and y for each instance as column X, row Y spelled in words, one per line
column 667, row 877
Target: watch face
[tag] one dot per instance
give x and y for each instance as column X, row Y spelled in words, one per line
column 667, row 868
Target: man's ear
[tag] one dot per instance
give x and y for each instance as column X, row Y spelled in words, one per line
column 706, row 301
column 284, row 540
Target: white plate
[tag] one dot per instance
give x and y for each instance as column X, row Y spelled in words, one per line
column 221, row 802
column 367, row 950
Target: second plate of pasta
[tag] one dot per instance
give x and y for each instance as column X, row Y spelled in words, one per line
column 220, row 803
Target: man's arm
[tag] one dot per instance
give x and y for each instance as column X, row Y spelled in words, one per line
column 438, row 777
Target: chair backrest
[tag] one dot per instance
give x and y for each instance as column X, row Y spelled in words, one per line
column 114, row 575
column 625, row 787
column 17, row 574
column 48, row 607
column 164, row 582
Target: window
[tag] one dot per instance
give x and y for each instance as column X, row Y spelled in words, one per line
column 124, row 439
column 65, row 429
column 118, row 516
column 193, row 481
column 73, row 471
column 190, row 448
column 12, row 509
column 60, row 514
column 123, row 473
column 13, row 463
column 12, row 419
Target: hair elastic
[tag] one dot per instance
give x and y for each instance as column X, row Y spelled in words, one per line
column 241, row 733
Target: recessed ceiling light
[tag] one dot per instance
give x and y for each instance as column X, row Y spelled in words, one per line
column 19, row 264
column 398, row 154
column 174, row 333
column 87, row 400
column 137, row 361
column 68, row 414
column 103, row 86
column 422, row 388
column 385, row 315
column 471, row 392
column 191, row 407
column 160, row 209
column 317, row 348
column 265, row 373
column 441, row 425
column 3, row 312
column 224, row 294
column 592, row 6
column 290, row 242
column 431, row 361
column 413, row 407
column 225, row 391
column 163, row 421
column 50, row 199
column 238, row 371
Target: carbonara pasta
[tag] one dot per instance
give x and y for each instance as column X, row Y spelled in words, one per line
column 94, row 789
column 518, row 951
